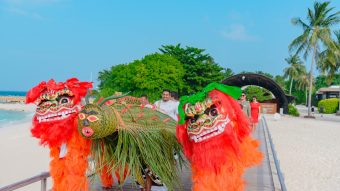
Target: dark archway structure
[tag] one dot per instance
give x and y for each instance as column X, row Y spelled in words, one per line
column 245, row 79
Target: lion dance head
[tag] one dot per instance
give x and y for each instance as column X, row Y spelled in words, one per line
column 58, row 105
column 215, row 135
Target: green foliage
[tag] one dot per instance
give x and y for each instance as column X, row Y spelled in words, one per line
column 329, row 60
column 265, row 74
column 300, row 97
column 294, row 70
column 260, row 93
column 293, row 111
column 316, row 32
column 200, row 68
column 280, row 80
column 149, row 75
column 322, row 81
column 329, row 105
column 268, row 75
column 227, row 72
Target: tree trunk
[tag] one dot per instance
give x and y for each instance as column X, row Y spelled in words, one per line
column 311, row 83
column 339, row 100
column 306, row 95
column 291, row 84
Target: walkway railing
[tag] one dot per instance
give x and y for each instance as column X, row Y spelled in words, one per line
column 275, row 169
column 41, row 177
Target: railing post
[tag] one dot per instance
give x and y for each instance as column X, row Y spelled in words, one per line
column 43, row 184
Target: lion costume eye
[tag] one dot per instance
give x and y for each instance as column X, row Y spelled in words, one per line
column 64, row 100
column 81, row 116
column 193, row 120
column 92, row 118
column 213, row 112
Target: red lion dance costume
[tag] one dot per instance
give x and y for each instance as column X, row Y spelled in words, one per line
column 55, row 124
column 215, row 135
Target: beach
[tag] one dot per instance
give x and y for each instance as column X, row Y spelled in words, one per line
column 308, row 151
column 21, row 155
column 18, row 107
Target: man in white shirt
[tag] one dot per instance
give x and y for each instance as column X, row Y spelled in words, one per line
column 167, row 106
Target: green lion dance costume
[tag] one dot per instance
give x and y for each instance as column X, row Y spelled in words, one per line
column 128, row 138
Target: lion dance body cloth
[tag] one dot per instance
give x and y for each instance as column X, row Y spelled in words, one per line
column 55, row 124
column 130, row 139
column 215, row 135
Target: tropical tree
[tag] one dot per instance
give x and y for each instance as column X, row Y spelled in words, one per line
column 227, row 72
column 265, row 74
column 316, row 32
column 329, row 59
column 200, row 68
column 260, row 93
column 149, row 75
column 280, row 80
column 302, row 81
column 293, row 71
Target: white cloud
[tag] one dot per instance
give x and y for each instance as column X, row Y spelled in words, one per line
column 29, row 2
column 17, row 11
column 27, row 8
column 21, row 12
column 237, row 32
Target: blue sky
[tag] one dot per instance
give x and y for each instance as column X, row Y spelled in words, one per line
column 59, row 39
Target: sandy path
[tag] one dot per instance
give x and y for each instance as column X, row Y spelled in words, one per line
column 309, row 152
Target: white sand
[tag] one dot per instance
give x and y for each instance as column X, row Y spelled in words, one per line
column 21, row 155
column 309, row 152
column 17, row 107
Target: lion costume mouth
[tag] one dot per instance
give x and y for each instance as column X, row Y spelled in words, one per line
column 210, row 132
column 62, row 114
column 87, row 131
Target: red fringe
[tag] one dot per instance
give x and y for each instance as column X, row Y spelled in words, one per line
column 53, row 134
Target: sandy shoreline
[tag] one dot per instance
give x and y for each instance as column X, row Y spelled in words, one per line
column 308, row 151
column 21, row 155
column 17, row 107
column 12, row 99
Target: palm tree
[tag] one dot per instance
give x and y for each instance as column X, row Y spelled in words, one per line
column 329, row 60
column 315, row 33
column 294, row 70
column 302, row 81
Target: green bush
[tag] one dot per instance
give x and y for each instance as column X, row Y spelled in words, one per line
column 293, row 111
column 260, row 93
column 329, row 105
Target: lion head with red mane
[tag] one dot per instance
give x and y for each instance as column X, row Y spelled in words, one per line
column 58, row 105
column 212, row 126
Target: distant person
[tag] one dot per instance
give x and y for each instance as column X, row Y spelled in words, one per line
column 245, row 105
column 174, row 96
column 166, row 105
column 145, row 101
column 255, row 110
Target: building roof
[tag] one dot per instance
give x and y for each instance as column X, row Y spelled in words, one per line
column 329, row 89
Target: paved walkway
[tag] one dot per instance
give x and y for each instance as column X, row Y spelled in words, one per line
column 261, row 178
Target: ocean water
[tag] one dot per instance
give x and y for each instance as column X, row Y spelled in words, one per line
column 9, row 117
column 12, row 93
